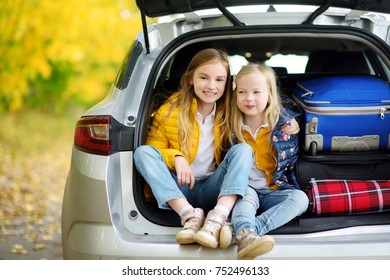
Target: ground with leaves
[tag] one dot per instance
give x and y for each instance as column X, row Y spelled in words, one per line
column 35, row 152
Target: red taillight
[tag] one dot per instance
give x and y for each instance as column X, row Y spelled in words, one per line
column 92, row 135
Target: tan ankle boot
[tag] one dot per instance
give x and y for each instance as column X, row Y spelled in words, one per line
column 226, row 236
column 191, row 221
column 208, row 235
column 250, row 245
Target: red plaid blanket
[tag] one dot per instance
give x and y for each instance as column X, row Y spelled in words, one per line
column 346, row 197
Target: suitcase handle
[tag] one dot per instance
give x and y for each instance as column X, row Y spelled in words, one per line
column 307, row 91
column 348, row 158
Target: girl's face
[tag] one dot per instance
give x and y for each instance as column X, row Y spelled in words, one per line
column 209, row 81
column 252, row 94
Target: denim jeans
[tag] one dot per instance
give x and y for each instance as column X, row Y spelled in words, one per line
column 276, row 208
column 230, row 177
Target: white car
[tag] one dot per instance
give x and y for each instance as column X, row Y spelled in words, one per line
column 105, row 213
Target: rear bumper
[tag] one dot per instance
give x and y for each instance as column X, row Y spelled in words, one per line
column 101, row 241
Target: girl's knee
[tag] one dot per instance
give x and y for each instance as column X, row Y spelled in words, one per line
column 301, row 200
column 142, row 152
column 243, row 147
column 138, row 152
column 243, row 150
column 303, row 197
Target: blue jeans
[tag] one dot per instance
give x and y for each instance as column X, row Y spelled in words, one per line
column 276, row 208
column 230, row 177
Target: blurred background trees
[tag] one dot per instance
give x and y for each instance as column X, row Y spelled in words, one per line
column 57, row 58
column 59, row 54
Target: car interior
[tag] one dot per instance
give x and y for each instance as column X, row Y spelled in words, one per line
column 326, row 56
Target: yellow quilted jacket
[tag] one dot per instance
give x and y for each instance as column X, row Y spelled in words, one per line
column 164, row 135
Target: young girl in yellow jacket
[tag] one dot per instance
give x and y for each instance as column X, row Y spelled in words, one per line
column 183, row 160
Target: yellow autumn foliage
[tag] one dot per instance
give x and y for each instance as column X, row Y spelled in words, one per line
column 38, row 37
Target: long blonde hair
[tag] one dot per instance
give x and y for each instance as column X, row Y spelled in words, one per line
column 273, row 108
column 185, row 95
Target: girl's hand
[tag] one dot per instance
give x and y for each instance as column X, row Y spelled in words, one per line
column 184, row 173
column 293, row 128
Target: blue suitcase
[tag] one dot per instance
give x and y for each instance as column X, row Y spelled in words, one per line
column 345, row 113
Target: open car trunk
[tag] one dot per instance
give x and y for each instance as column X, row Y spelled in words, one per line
column 262, row 44
column 245, row 40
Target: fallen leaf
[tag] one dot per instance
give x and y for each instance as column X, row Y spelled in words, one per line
column 18, row 249
column 40, row 246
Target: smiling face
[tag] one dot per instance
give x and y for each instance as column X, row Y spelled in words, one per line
column 209, row 81
column 252, row 95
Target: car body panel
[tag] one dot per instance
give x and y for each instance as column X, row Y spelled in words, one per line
column 360, row 243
